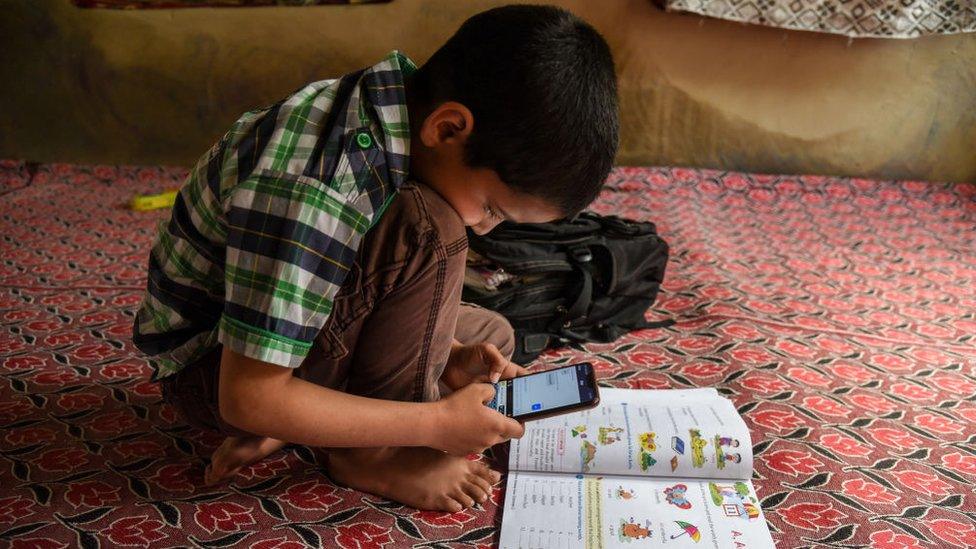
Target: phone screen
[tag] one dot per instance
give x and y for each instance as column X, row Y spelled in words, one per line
column 545, row 391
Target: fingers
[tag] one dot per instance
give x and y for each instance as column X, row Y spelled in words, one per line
column 497, row 364
column 500, row 367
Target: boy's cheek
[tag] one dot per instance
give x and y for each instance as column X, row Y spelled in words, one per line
column 483, row 228
column 472, row 214
column 474, row 220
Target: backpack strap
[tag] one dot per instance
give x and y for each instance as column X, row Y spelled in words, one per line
column 576, row 336
column 656, row 324
column 528, row 345
column 581, row 305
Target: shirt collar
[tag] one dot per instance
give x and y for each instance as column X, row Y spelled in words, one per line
column 383, row 87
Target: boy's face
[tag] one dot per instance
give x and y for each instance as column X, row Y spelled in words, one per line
column 482, row 201
column 478, row 195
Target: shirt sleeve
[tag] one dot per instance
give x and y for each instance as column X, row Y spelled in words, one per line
column 290, row 243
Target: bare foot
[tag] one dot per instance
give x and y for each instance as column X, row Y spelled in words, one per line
column 235, row 453
column 423, row 478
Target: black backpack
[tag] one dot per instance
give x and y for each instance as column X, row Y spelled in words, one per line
column 589, row 279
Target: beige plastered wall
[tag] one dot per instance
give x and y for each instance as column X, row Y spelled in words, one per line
column 158, row 86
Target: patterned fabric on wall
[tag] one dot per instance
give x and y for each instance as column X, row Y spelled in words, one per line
column 142, row 4
column 836, row 313
column 855, row 18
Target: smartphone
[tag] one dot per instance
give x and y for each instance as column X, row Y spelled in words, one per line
column 548, row 393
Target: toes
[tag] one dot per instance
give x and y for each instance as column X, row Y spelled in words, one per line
column 475, row 491
column 462, row 497
column 271, row 445
column 483, row 485
column 216, row 474
column 208, row 476
column 449, row 505
column 212, row 476
column 486, row 472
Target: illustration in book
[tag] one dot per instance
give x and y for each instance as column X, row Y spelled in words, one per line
column 675, row 495
column 630, row 530
column 666, row 469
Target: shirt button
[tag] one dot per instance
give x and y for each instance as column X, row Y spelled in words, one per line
column 364, row 140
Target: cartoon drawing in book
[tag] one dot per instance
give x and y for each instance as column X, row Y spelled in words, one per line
column 726, row 441
column 647, row 445
column 587, row 453
column 647, row 442
column 675, row 495
column 721, row 490
column 721, row 458
column 687, row 529
column 624, row 494
column 579, row 431
column 697, row 448
column 678, row 445
column 646, row 461
column 630, row 530
column 722, row 444
column 734, row 500
column 609, row 435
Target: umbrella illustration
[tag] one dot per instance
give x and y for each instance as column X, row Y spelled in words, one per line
column 687, row 528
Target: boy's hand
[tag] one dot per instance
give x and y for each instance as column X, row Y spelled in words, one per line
column 481, row 362
column 467, row 426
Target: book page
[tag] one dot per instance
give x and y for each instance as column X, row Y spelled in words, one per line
column 558, row 511
column 666, row 433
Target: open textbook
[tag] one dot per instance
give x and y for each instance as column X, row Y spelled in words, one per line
column 667, row 468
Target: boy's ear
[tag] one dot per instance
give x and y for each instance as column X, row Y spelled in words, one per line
column 451, row 122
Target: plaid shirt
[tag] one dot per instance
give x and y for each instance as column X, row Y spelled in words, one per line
column 269, row 221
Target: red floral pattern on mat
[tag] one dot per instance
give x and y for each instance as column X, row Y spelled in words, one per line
column 836, row 313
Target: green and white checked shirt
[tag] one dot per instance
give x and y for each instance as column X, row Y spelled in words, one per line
column 269, row 221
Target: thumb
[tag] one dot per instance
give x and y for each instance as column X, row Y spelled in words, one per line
column 486, row 392
column 514, row 429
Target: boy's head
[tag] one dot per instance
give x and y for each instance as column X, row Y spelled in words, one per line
column 515, row 116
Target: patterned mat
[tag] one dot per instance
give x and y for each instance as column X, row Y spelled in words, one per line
column 838, row 314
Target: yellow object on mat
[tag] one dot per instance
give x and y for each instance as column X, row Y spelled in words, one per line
column 143, row 202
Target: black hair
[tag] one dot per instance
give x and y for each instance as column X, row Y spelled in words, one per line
column 540, row 84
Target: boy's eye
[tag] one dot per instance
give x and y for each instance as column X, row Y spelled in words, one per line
column 491, row 212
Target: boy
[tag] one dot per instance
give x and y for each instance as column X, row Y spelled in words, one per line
column 307, row 286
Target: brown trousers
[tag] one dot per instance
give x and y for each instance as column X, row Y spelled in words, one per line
column 391, row 328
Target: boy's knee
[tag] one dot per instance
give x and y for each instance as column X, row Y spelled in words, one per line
column 479, row 325
column 504, row 335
